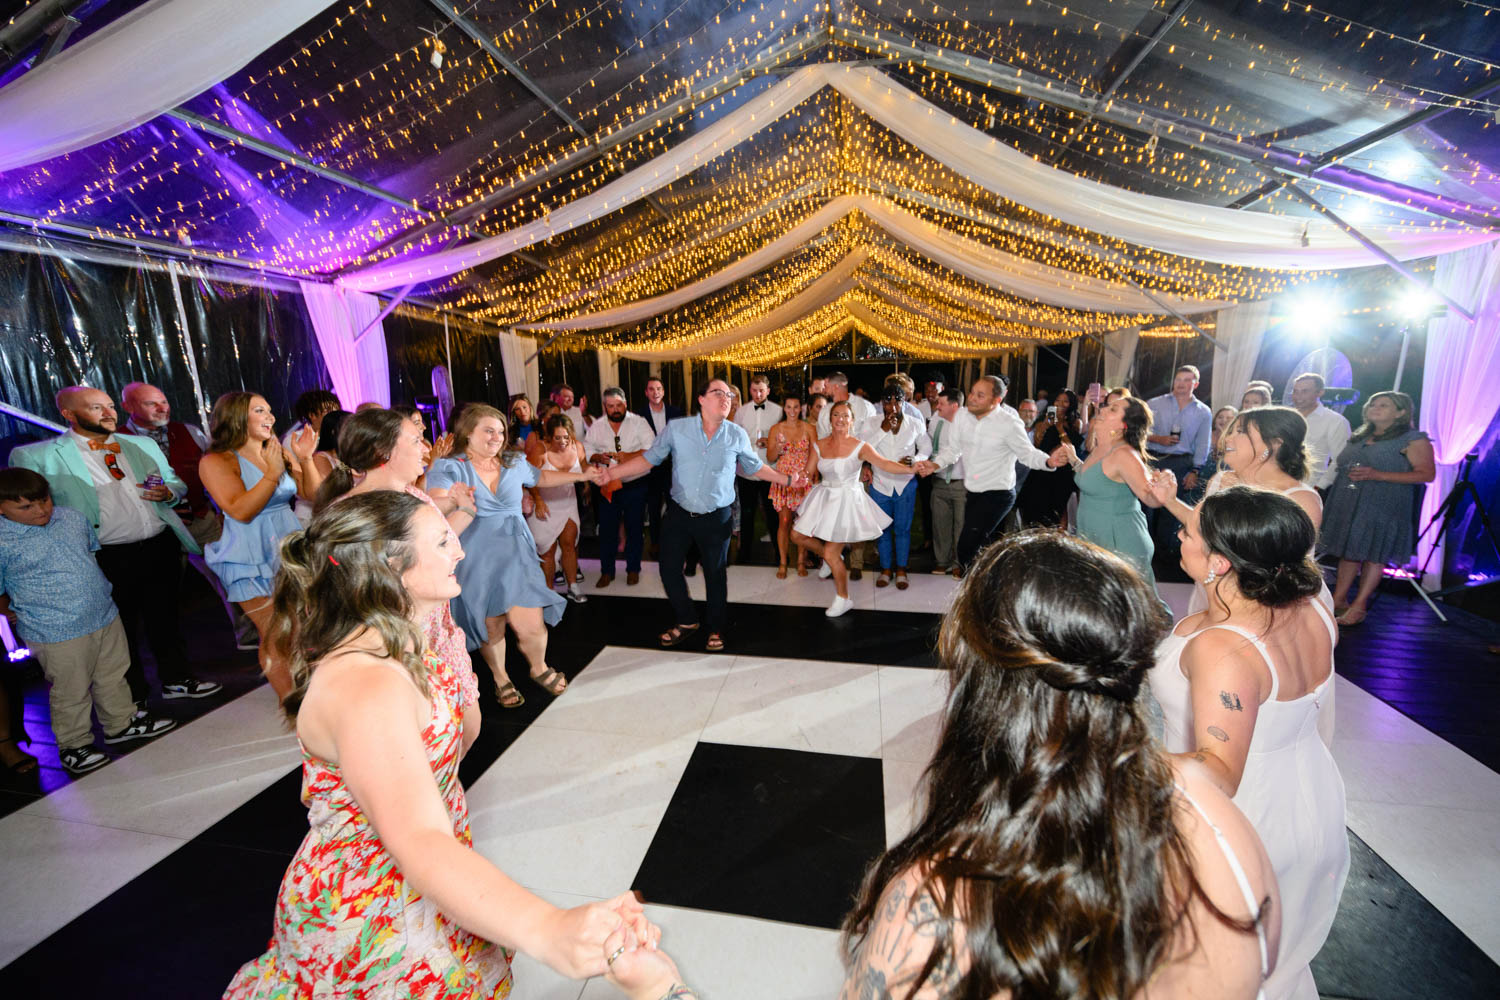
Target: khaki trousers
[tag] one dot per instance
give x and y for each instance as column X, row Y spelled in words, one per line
column 85, row 672
column 947, row 520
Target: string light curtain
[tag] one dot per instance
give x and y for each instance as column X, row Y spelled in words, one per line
column 146, row 62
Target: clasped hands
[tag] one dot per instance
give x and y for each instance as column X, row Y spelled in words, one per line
column 1163, row 485
column 798, row 481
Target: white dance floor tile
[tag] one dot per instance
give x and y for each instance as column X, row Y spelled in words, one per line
column 642, row 692
column 911, row 710
column 799, row 705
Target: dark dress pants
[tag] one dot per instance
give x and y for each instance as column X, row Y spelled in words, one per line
column 629, row 505
column 983, row 515
column 147, row 581
column 1161, row 522
column 754, row 494
column 709, row 533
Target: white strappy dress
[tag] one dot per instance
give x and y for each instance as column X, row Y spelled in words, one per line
column 1291, row 792
column 1199, row 600
column 838, row 509
column 1243, row 881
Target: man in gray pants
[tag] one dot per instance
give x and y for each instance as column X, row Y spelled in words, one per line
column 947, row 514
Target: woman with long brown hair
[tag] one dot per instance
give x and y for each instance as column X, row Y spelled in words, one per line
column 502, row 580
column 1059, row 852
column 253, row 478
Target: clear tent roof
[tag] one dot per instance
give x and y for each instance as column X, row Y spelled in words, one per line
column 506, row 130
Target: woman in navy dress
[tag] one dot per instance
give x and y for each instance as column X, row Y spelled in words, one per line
column 501, row 578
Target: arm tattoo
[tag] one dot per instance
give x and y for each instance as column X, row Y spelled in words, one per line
column 1218, row 734
column 1231, row 701
column 679, row 992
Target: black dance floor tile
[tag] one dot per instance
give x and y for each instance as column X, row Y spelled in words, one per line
column 180, row 929
column 1388, row 943
column 779, row 834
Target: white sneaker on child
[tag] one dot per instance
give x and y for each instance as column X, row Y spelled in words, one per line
column 840, row 606
column 825, row 571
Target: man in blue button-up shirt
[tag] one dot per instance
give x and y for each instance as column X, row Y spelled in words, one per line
column 1181, row 429
column 705, row 451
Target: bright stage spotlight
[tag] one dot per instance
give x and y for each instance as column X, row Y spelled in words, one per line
column 1417, row 304
column 1314, row 312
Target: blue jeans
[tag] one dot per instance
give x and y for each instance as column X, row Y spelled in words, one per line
column 900, row 506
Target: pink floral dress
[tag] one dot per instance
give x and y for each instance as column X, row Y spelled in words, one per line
column 347, row 925
column 793, row 459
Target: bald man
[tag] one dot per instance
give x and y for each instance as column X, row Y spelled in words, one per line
column 184, row 445
column 126, row 488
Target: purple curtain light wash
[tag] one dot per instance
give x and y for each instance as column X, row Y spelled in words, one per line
column 1460, row 375
column 148, row 61
column 360, row 371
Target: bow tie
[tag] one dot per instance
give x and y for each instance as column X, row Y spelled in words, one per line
column 760, row 406
column 113, row 446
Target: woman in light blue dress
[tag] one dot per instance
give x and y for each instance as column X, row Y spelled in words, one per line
column 253, row 480
column 500, row 574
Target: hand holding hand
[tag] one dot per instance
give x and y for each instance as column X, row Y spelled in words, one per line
column 1163, row 485
column 925, row 469
column 572, row 942
column 462, row 494
column 1059, row 457
column 598, row 475
column 865, row 475
column 641, row 971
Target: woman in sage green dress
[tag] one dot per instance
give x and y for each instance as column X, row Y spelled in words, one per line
column 1115, row 481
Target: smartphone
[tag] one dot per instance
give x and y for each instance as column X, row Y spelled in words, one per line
column 1052, row 414
column 1096, row 393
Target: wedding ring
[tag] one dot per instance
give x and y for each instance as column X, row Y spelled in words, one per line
column 610, row 961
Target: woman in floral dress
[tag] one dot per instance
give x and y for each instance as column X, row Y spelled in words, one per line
column 386, row 897
column 789, row 450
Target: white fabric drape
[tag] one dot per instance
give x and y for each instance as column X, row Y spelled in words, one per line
column 1204, row 232
column 1073, row 364
column 360, row 371
column 1006, row 272
column 145, row 62
column 1459, row 376
column 609, row 371
column 1117, row 369
column 521, row 375
column 1243, row 329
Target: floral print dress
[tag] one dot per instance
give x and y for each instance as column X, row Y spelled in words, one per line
column 347, row 925
column 793, row 460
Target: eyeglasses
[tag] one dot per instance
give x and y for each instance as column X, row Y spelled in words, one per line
column 113, row 465
column 721, row 393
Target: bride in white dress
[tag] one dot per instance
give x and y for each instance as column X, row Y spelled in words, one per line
column 838, row 511
column 1243, row 686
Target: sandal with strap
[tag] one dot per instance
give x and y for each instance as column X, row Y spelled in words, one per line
column 677, row 635
column 551, row 681
column 781, row 573
column 27, row 764
column 508, row 697
column 715, row 643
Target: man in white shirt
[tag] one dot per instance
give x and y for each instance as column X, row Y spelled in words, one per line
column 898, row 436
column 618, row 437
column 948, row 494
column 757, row 417
column 990, row 439
column 126, row 488
column 1327, row 431
column 562, row 395
column 860, row 408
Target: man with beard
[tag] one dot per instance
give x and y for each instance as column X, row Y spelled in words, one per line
column 125, row 487
column 619, row 437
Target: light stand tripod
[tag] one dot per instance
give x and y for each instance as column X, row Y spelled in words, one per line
column 1441, row 516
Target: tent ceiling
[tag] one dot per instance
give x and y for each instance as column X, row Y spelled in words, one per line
column 354, row 91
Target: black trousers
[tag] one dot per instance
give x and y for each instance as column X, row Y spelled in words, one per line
column 658, row 488
column 754, row 493
column 923, row 515
column 147, row 581
column 628, row 505
column 709, row 533
column 1160, row 521
column 983, row 514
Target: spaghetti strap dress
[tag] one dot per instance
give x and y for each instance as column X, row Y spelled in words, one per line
column 838, row 509
column 347, row 924
column 793, row 459
column 1291, row 792
column 1198, row 601
column 562, row 506
column 500, row 569
column 246, row 555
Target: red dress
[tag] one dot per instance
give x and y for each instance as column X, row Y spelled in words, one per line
column 347, row 925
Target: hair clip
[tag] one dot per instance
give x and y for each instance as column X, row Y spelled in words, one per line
column 333, row 560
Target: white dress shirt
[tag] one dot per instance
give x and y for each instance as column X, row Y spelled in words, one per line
column 862, row 408
column 123, row 515
column 947, row 473
column 990, row 448
column 580, row 423
column 1327, row 434
column 910, row 439
column 758, row 423
column 925, row 408
column 635, row 435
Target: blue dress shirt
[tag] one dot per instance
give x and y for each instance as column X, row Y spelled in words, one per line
column 703, row 467
column 56, row 588
column 1194, row 423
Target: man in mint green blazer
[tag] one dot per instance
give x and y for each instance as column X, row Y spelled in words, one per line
column 108, row 477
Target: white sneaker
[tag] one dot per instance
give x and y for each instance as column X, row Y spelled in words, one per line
column 825, row 570
column 839, row 606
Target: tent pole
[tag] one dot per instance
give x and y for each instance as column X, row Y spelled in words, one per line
column 187, row 345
